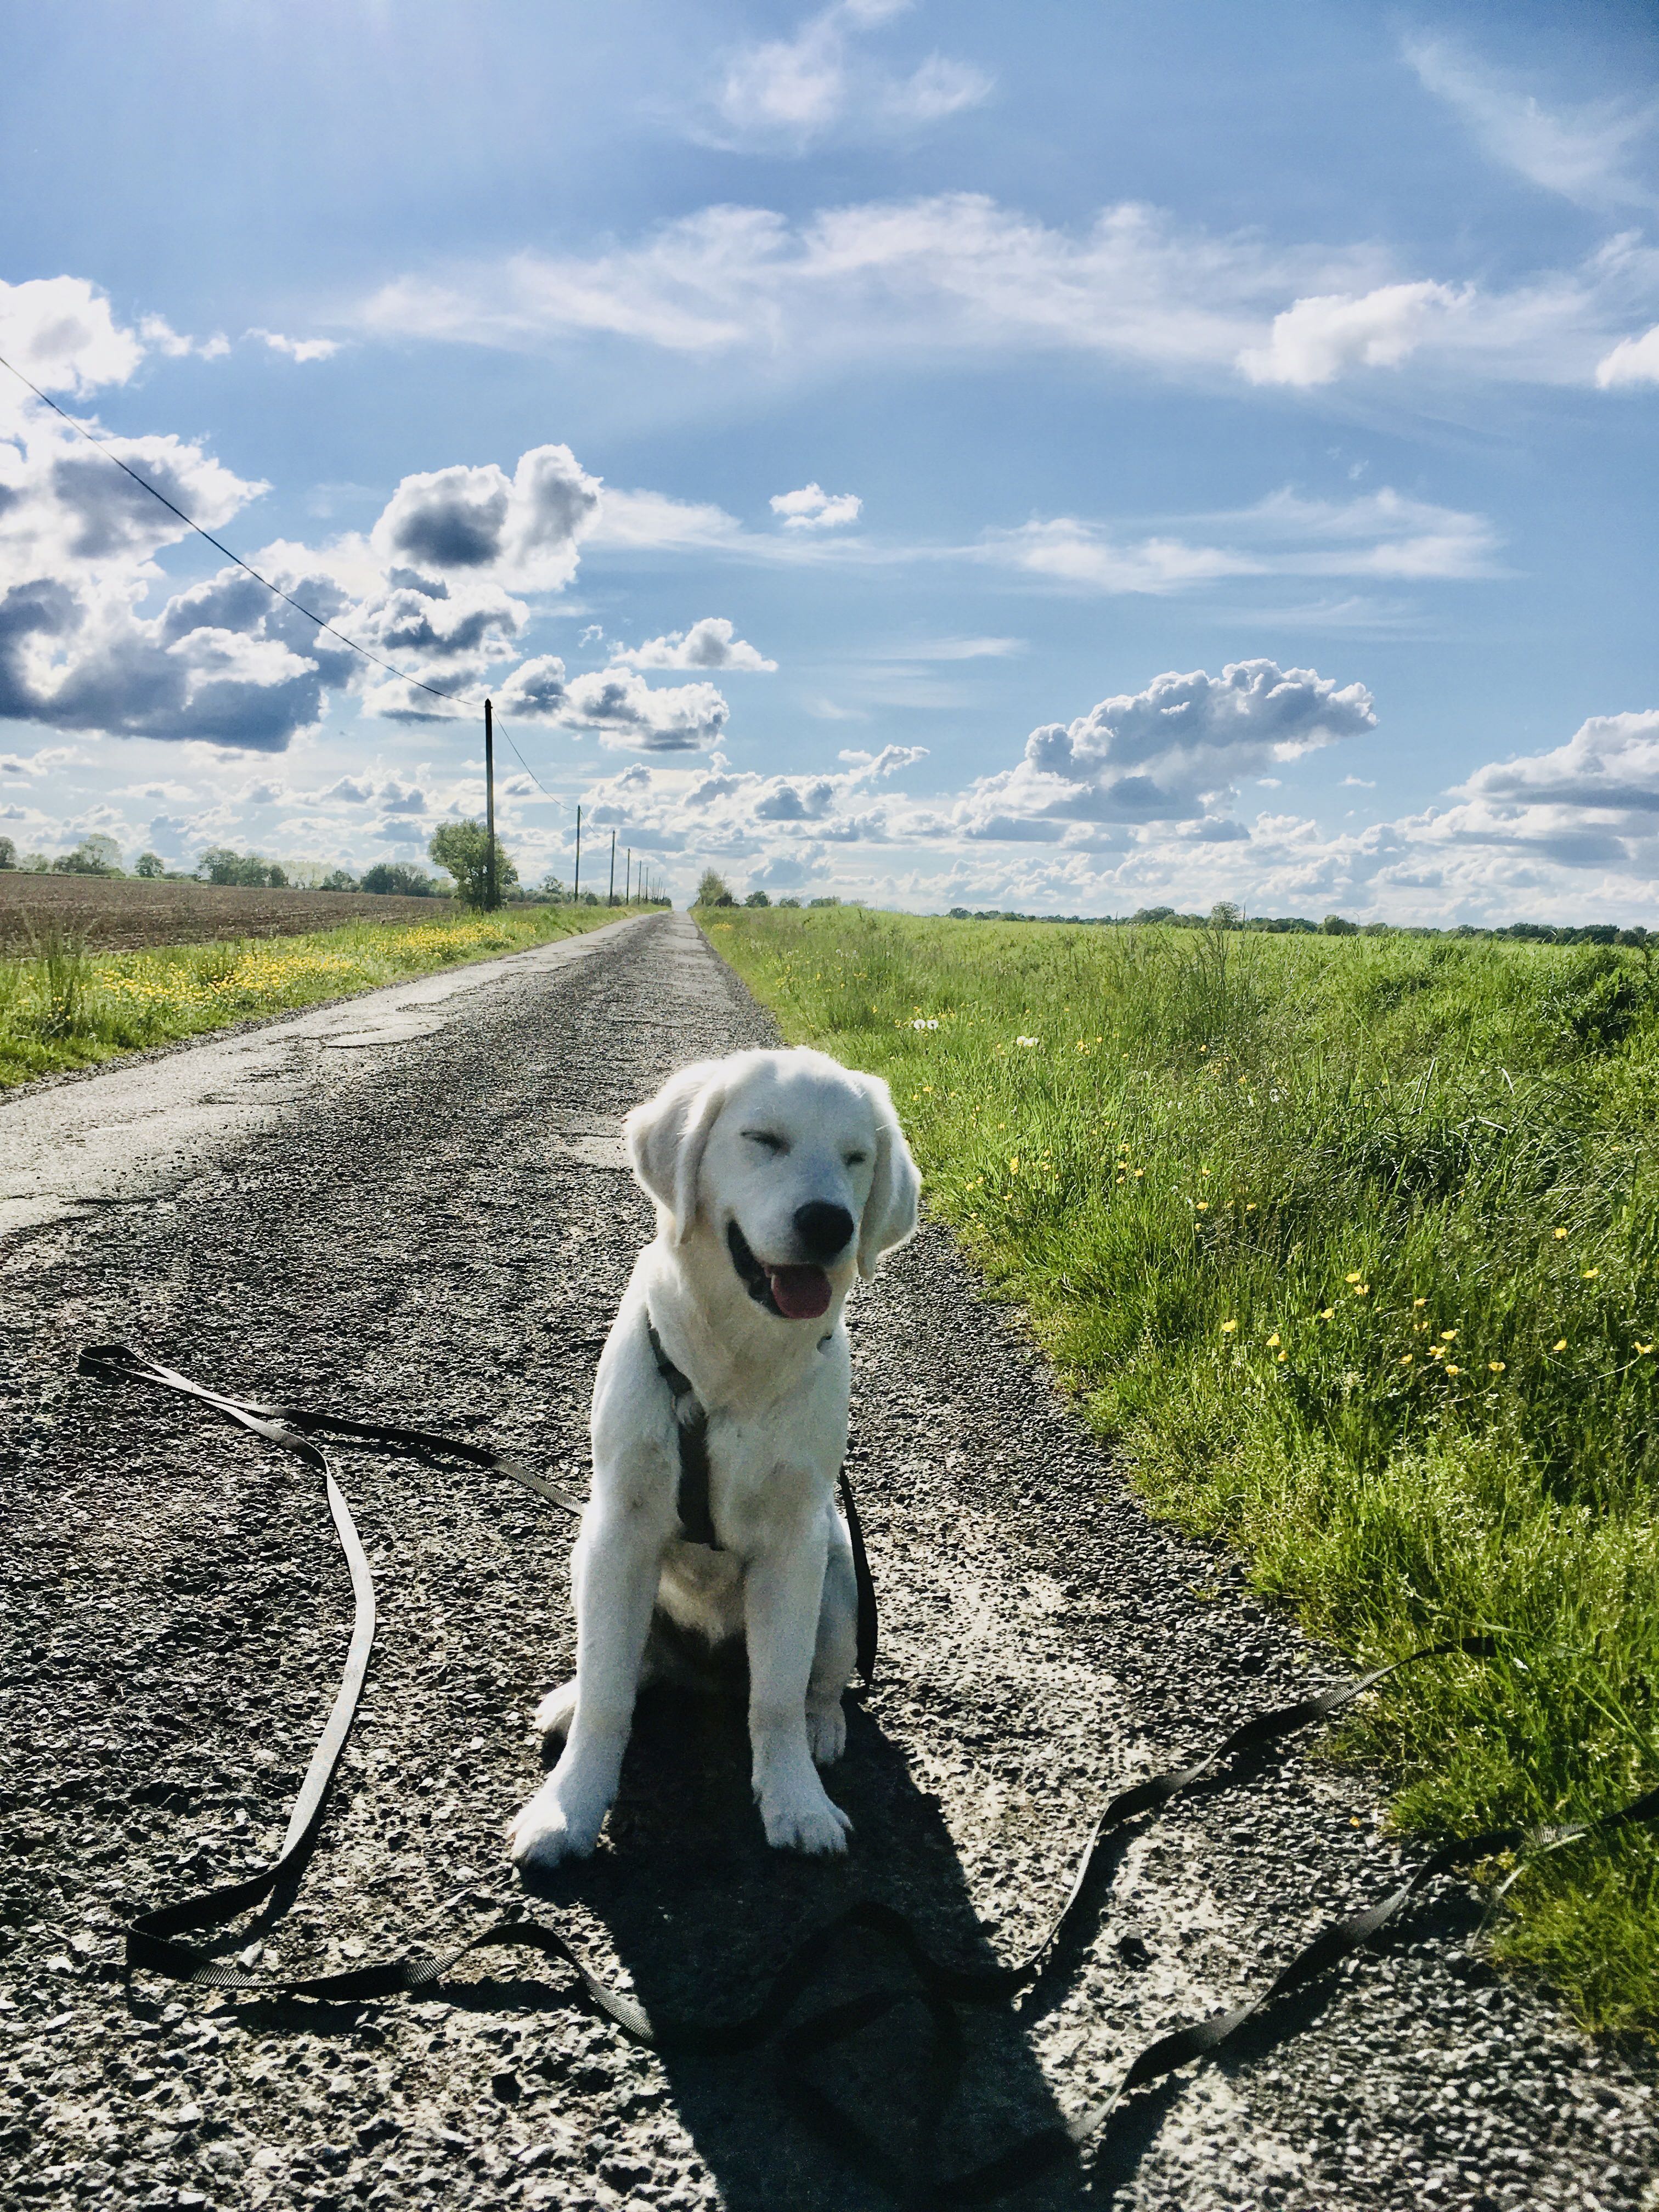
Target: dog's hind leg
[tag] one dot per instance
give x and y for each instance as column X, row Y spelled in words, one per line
column 836, row 1652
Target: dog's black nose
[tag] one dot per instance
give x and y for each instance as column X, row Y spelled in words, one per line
column 823, row 1229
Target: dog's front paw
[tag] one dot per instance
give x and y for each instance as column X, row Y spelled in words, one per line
column 826, row 1733
column 550, row 1828
column 799, row 1817
column 557, row 1710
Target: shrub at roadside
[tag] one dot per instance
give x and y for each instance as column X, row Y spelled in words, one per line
column 1352, row 1245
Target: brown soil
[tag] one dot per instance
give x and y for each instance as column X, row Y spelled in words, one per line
column 115, row 913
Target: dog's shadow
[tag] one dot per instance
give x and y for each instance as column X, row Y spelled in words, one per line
column 702, row 1912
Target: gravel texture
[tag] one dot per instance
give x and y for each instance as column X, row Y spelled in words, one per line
column 435, row 1230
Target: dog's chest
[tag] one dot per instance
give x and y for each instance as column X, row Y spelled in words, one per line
column 767, row 1475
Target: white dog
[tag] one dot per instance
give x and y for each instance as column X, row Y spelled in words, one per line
column 721, row 1399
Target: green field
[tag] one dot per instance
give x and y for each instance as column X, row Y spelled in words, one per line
column 62, row 1007
column 1351, row 1246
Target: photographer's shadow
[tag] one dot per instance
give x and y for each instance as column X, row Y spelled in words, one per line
column 701, row 1913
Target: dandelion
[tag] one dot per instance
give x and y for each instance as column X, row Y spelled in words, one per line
column 1496, row 1365
column 1014, row 1164
column 1590, row 1275
column 1450, row 1369
column 1282, row 1355
column 1448, row 1336
column 1420, row 1302
column 1436, row 1351
column 1362, row 1290
column 1138, row 1173
column 1203, row 1204
column 1228, row 1326
column 1272, row 1341
column 1560, row 1233
column 1560, row 1344
column 919, row 1024
column 1407, row 1358
column 1356, row 1276
column 1328, row 1314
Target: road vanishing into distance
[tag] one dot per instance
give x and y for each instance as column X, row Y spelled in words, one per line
column 413, row 1207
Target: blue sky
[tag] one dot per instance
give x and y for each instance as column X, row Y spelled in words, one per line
column 1078, row 458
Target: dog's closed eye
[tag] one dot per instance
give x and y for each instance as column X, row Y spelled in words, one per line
column 855, row 1159
column 769, row 1139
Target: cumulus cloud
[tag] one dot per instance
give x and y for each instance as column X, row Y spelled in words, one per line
column 61, row 332
column 617, row 703
column 1316, row 340
column 740, row 813
column 785, row 94
column 525, row 529
column 812, row 507
column 300, row 349
column 711, row 643
column 957, row 274
column 1632, row 360
column 1172, row 753
column 1583, row 153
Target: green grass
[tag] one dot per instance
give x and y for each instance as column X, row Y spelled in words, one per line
column 62, row 1007
column 1352, row 1247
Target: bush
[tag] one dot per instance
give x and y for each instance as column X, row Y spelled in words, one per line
column 463, row 848
column 150, row 865
column 1335, row 926
column 712, row 890
column 757, row 899
column 338, row 879
column 93, row 856
column 8, row 853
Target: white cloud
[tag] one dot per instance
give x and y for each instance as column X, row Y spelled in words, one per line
column 711, row 643
column 300, row 349
column 650, row 520
column 812, row 507
column 61, row 333
column 1381, row 534
column 1583, row 153
column 525, row 529
column 1319, row 339
column 617, row 703
column 956, row 275
column 1632, row 360
column 786, row 94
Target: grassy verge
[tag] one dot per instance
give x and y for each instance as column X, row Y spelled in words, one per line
column 62, row 1007
column 1353, row 1246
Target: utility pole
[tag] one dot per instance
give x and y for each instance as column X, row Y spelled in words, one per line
column 627, row 875
column 576, row 888
column 611, row 893
column 489, row 800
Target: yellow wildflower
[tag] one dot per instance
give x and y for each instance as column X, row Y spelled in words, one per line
column 1355, row 1277
column 1450, row 1369
column 1273, row 1341
column 1228, row 1326
column 1590, row 1275
column 1496, row 1365
column 1448, row 1335
column 1560, row 1344
column 1560, row 1232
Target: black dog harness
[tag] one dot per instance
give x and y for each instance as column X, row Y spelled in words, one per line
column 697, row 1516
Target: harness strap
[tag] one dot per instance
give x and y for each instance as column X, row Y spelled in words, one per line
column 696, row 1517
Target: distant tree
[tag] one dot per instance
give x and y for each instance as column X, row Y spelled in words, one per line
column 338, row 879
column 8, row 853
column 405, row 878
column 246, row 871
column 93, row 856
column 1225, row 914
column 757, row 899
column 551, row 886
column 1153, row 914
column 1335, row 926
column 463, row 848
column 787, row 902
column 712, row 890
column 150, row 865
column 823, row 902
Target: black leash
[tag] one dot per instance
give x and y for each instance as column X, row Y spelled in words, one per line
column 150, row 1938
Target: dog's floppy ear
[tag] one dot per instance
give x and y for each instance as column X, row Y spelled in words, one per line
column 667, row 1136
column 890, row 1211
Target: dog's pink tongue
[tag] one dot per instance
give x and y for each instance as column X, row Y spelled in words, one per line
column 802, row 1293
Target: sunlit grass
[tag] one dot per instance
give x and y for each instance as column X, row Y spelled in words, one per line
column 62, row 1007
column 1352, row 1246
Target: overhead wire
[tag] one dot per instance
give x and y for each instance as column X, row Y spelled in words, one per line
column 452, row 698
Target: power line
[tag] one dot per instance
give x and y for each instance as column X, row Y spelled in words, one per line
column 455, row 699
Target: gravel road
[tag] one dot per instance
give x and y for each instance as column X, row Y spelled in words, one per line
column 433, row 1226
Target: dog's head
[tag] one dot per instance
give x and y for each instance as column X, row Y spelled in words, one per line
column 796, row 1165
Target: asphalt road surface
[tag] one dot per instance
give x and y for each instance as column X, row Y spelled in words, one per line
column 413, row 1207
